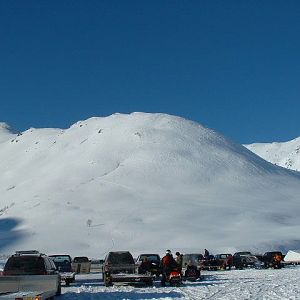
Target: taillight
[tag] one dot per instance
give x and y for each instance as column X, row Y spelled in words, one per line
column 106, row 267
column 35, row 298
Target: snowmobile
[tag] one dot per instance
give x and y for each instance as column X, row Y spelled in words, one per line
column 192, row 274
column 174, row 278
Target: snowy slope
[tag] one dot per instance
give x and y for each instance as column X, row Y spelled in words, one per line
column 141, row 182
column 286, row 154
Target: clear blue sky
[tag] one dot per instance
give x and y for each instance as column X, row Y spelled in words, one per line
column 233, row 66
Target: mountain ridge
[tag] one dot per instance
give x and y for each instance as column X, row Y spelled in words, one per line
column 284, row 154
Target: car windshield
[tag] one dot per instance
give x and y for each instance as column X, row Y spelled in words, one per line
column 19, row 265
column 273, row 253
column 221, row 256
column 120, row 258
column 150, row 257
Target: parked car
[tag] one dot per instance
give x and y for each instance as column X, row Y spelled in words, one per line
column 154, row 263
column 96, row 265
column 23, row 264
column 245, row 259
column 225, row 260
column 119, row 267
column 64, row 265
column 273, row 259
column 81, row 264
column 29, row 263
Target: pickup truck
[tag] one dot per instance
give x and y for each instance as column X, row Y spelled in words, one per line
column 148, row 263
column 27, row 287
column 211, row 263
column 119, row 268
column 29, row 275
column 64, row 267
column 81, row 265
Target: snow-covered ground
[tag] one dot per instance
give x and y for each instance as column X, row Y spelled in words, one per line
column 252, row 284
column 230, row 285
column 286, row 154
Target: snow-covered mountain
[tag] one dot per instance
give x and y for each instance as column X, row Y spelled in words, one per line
column 143, row 182
column 285, row 154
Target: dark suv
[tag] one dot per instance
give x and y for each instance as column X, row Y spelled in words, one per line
column 31, row 263
column 272, row 259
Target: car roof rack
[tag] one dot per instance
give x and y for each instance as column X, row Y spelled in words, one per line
column 28, row 252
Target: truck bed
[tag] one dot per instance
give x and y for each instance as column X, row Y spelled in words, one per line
column 134, row 279
column 45, row 285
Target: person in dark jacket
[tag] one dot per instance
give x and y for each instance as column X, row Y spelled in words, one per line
column 145, row 266
column 206, row 254
column 191, row 271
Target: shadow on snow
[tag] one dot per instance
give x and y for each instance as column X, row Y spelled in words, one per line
column 121, row 295
column 9, row 235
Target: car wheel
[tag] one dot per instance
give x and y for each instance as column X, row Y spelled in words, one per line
column 107, row 281
column 58, row 292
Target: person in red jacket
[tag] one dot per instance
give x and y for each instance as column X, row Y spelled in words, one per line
column 167, row 264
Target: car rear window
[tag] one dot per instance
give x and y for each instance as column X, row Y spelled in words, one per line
column 150, row 257
column 242, row 253
column 222, row 256
column 60, row 258
column 80, row 259
column 120, row 258
column 273, row 253
column 22, row 265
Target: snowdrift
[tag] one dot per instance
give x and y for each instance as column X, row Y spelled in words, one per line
column 141, row 182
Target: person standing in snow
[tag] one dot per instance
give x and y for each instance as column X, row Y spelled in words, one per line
column 206, row 254
column 179, row 260
column 145, row 266
column 167, row 264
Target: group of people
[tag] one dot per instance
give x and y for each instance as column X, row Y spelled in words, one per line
column 168, row 264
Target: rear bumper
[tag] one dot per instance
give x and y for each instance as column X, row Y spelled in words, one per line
column 131, row 279
column 67, row 276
